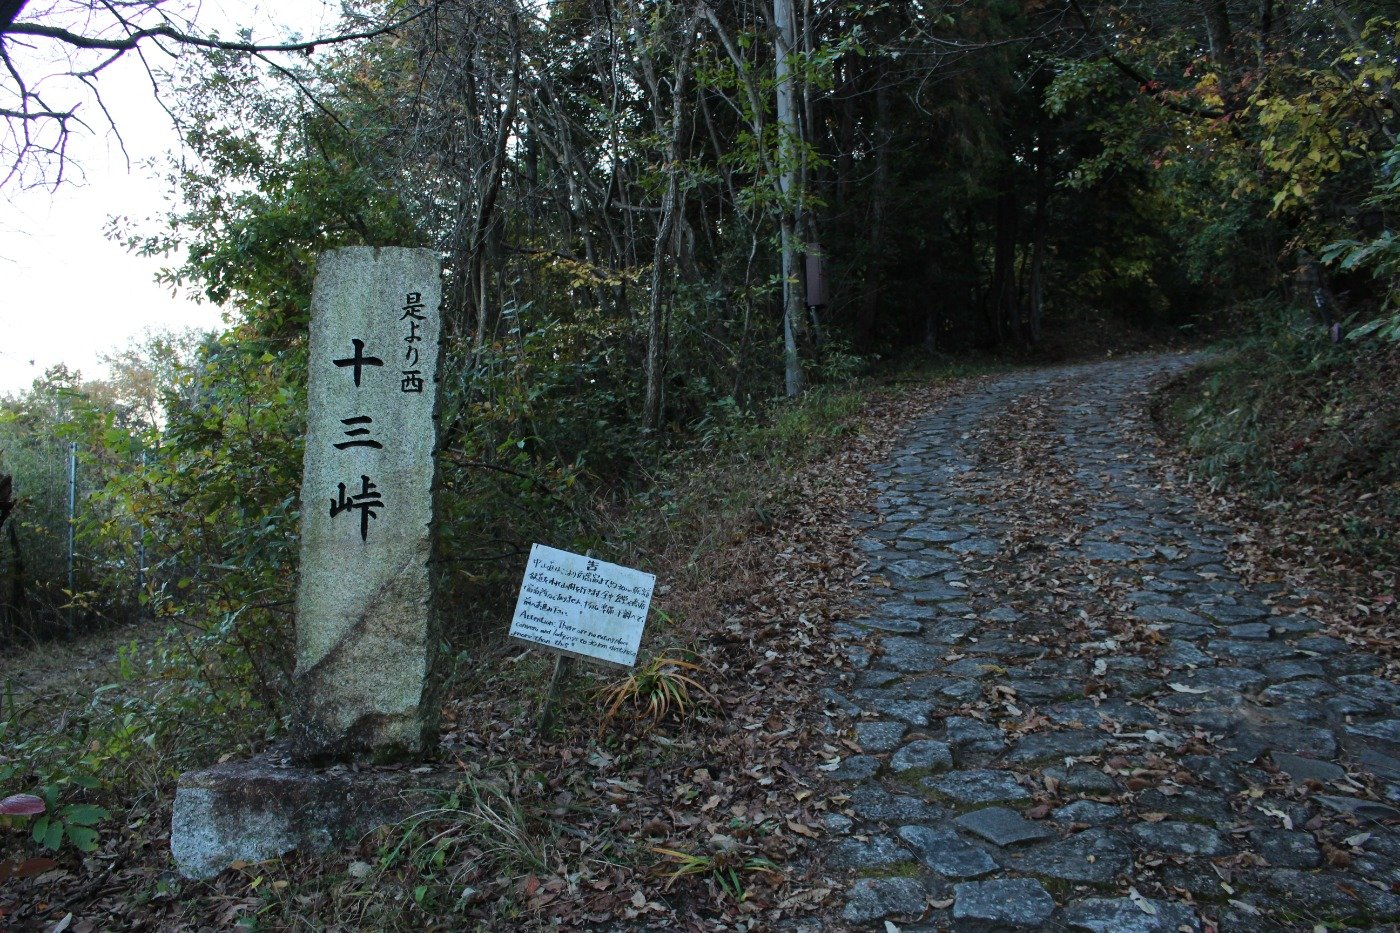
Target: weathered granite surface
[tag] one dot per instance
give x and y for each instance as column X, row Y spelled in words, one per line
column 263, row 807
column 364, row 617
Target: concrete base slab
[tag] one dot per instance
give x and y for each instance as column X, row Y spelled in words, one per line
column 264, row 807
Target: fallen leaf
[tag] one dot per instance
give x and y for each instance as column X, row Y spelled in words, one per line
column 1143, row 904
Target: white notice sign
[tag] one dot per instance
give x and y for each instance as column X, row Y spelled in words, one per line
column 582, row 606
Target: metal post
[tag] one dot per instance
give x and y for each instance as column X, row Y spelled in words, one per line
column 141, row 550
column 72, row 528
column 72, row 513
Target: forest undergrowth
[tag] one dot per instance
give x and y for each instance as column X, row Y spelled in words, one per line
column 1299, row 438
column 675, row 793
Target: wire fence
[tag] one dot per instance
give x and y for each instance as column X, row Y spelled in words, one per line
column 69, row 563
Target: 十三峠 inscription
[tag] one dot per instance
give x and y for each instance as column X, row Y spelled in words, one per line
column 582, row 606
column 363, row 601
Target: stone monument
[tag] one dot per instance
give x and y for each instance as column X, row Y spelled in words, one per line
column 363, row 689
column 364, row 605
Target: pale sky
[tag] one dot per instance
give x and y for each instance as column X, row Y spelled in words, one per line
column 67, row 294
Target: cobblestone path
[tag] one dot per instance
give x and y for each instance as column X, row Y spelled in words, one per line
column 1071, row 714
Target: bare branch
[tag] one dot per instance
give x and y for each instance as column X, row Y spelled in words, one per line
column 166, row 31
column 37, row 155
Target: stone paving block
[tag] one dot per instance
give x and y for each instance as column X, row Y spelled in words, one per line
column 1045, row 746
column 1355, row 806
column 1183, row 654
column 1223, row 678
column 1160, row 613
column 1002, row 827
column 952, row 631
column 1090, row 812
column 1252, row 653
column 841, row 702
column 1083, row 779
column 1295, row 738
column 1307, row 690
column 910, row 655
column 1284, row 849
column 978, row 786
column 1044, row 690
column 1380, row 764
column 855, row 768
column 1387, row 730
column 877, row 898
column 1330, row 896
column 925, row 754
column 888, row 624
column 1094, row 856
column 947, row 853
column 1122, row 915
column 872, row 802
column 873, row 853
column 1107, row 551
column 857, row 656
column 1372, row 687
column 905, row 609
column 1227, row 614
column 1307, row 769
column 1177, row 838
column 1292, row 670
column 1005, row 903
column 916, row 570
column 1322, row 644
column 934, row 534
column 1349, row 705
column 938, row 594
column 1189, row 804
column 874, row 680
column 967, row 734
column 914, row 712
column 880, row 736
column 1089, row 714
column 837, row 823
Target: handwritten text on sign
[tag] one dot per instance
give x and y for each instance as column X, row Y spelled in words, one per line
column 582, row 606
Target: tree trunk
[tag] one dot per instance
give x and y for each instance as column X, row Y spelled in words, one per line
column 793, row 311
column 1035, row 304
column 874, row 267
column 656, row 322
column 1002, row 307
column 1266, row 29
column 486, row 206
column 1222, row 46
